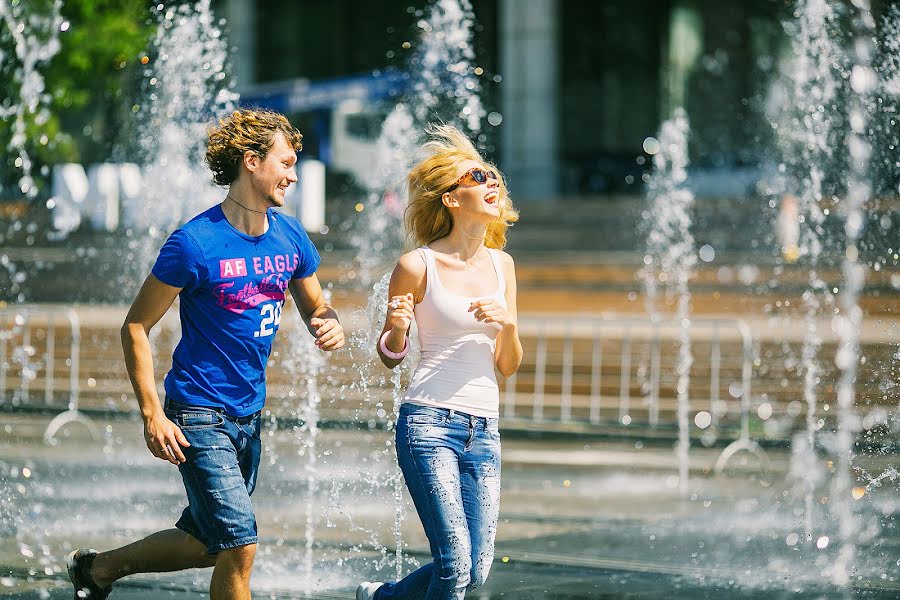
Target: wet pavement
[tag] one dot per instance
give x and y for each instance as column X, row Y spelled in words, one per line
column 580, row 518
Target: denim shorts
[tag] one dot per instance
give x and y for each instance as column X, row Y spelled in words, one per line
column 219, row 475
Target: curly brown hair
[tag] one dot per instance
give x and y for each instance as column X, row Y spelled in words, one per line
column 245, row 130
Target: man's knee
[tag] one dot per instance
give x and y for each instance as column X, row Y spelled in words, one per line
column 240, row 558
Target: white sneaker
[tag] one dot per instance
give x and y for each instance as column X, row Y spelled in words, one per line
column 366, row 590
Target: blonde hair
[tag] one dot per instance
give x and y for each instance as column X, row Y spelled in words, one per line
column 426, row 218
column 243, row 130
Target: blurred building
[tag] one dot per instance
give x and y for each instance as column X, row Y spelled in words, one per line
column 582, row 82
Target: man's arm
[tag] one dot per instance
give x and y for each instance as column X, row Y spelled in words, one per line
column 320, row 318
column 163, row 437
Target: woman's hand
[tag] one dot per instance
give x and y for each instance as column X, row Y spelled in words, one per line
column 400, row 312
column 490, row 311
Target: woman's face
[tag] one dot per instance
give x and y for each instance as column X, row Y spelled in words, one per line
column 473, row 197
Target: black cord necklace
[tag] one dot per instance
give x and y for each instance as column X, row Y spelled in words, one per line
column 228, row 196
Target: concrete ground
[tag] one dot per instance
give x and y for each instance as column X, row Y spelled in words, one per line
column 580, row 518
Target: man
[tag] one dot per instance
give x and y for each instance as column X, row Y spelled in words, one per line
column 230, row 266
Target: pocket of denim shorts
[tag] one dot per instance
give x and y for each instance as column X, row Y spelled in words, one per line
column 194, row 420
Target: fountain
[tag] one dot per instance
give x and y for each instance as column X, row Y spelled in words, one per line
column 34, row 45
column 445, row 87
column 186, row 87
column 671, row 257
column 859, row 189
column 808, row 140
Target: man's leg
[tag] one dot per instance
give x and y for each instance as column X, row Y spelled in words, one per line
column 164, row 551
column 219, row 476
column 231, row 577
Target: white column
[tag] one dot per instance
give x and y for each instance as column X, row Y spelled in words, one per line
column 70, row 188
column 529, row 97
column 241, row 18
column 102, row 200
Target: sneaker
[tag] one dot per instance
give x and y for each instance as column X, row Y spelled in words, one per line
column 366, row 590
column 78, row 563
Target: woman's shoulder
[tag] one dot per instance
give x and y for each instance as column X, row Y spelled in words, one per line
column 409, row 275
column 411, row 263
column 505, row 259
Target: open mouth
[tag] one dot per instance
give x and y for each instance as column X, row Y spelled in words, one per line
column 491, row 198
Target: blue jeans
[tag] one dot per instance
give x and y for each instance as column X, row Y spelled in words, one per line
column 451, row 463
column 219, row 475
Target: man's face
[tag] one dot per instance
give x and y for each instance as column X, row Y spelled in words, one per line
column 273, row 175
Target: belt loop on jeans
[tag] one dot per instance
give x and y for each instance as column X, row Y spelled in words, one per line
column 241, row 420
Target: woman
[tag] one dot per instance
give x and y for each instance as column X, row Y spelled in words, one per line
column 461, row 289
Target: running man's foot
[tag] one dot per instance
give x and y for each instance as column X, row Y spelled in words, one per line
column 78, row 563
column 366, row 590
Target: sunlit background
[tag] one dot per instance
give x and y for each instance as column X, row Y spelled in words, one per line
column 707, row 263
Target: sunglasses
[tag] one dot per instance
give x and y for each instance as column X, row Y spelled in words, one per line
column 477, row 175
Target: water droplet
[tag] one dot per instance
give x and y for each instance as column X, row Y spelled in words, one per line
column 702, row 419
column 651, row 145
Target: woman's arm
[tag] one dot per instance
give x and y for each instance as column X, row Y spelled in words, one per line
column 407, row 287
column 508, row 354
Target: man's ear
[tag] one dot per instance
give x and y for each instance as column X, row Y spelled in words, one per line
column 250, row 160
column 449, row 201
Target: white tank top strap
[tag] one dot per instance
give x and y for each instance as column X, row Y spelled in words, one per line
column 498, row 268
column 429, row 267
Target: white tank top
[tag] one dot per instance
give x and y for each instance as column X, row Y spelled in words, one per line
column 456, row 365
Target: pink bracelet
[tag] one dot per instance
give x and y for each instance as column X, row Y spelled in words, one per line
column 388, row 353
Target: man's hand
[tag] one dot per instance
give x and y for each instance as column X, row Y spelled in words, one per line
column 164, row 439
column 320, row 318
column 329, row 333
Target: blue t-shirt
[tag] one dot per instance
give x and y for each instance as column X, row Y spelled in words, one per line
column 233, row 290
